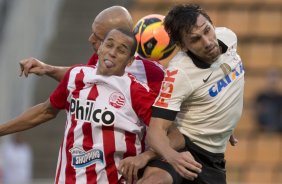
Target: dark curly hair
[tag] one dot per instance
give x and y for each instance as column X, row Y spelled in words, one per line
column 182, row 18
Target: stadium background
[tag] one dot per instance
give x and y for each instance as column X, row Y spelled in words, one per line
column 56, row 31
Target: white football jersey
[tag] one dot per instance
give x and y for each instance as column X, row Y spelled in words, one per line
column 207, row 102
column 105, row 123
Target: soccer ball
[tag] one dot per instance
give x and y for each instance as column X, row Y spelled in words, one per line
column 153, row 41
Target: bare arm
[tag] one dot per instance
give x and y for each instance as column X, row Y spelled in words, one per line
column 158, row 140
column 35, row 66
column 32, row 117
column 129, row 166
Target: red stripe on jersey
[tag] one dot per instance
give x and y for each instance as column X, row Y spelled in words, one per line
column 91, row 174
column 154, row 75
column 130, row 139
column 59, row 166
column 109, row 149
column 70, row 172
column 93, row 60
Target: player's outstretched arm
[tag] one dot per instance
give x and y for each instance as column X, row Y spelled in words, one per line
column 32, row 117
column 35, row 66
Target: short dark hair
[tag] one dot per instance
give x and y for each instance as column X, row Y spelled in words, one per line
column 129, row 34
column 182, row 18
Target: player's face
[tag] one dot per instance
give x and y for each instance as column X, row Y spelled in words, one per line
column 97, row 35
column 114, row 54
column 202, row 40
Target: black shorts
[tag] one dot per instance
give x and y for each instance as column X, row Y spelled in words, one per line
column 213, row 166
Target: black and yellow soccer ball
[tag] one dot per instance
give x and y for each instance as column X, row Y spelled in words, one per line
column 153, row 41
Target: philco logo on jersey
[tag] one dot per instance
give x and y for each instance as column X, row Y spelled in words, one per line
column 167, row 88
column 117, row 100
column 81, row 158
column 87, row 112
column 222, row 83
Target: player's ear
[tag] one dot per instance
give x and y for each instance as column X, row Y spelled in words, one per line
column 131, row 59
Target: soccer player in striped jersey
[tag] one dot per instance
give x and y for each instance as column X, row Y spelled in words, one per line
column 107, row 113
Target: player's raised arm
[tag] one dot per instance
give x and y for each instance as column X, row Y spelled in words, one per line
column 32, row 117
column 35, row 66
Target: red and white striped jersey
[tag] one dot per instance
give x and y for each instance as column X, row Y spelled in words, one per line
column 105, row 123
column 149, row 72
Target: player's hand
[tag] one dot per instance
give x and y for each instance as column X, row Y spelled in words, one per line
column 233, row 140
column 32, row 65
column 185, row 164
column 130, row 166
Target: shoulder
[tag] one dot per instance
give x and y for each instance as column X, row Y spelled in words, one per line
column 180, row 66
column 137, row 84
column 79, row 72
column 149, row 64
column 180, row 60
column 227, row 36
column 79, row 67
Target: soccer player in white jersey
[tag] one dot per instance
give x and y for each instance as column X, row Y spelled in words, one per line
column 107, row 110
column 202, row 93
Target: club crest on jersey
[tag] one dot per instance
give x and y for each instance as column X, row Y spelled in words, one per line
column 85, row 110
column 117, row 100
column 81, row 158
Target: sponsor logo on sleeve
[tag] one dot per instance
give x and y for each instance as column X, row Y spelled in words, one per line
column 166, row 89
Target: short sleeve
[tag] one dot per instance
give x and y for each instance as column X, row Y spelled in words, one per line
column 142, row 100
column 175, row 88
column 59, row 96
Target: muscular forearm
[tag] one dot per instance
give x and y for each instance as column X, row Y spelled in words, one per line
column 56, row 72
column 35, row 66
column 158, row 140
column 176, row 141
column 29, row 119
